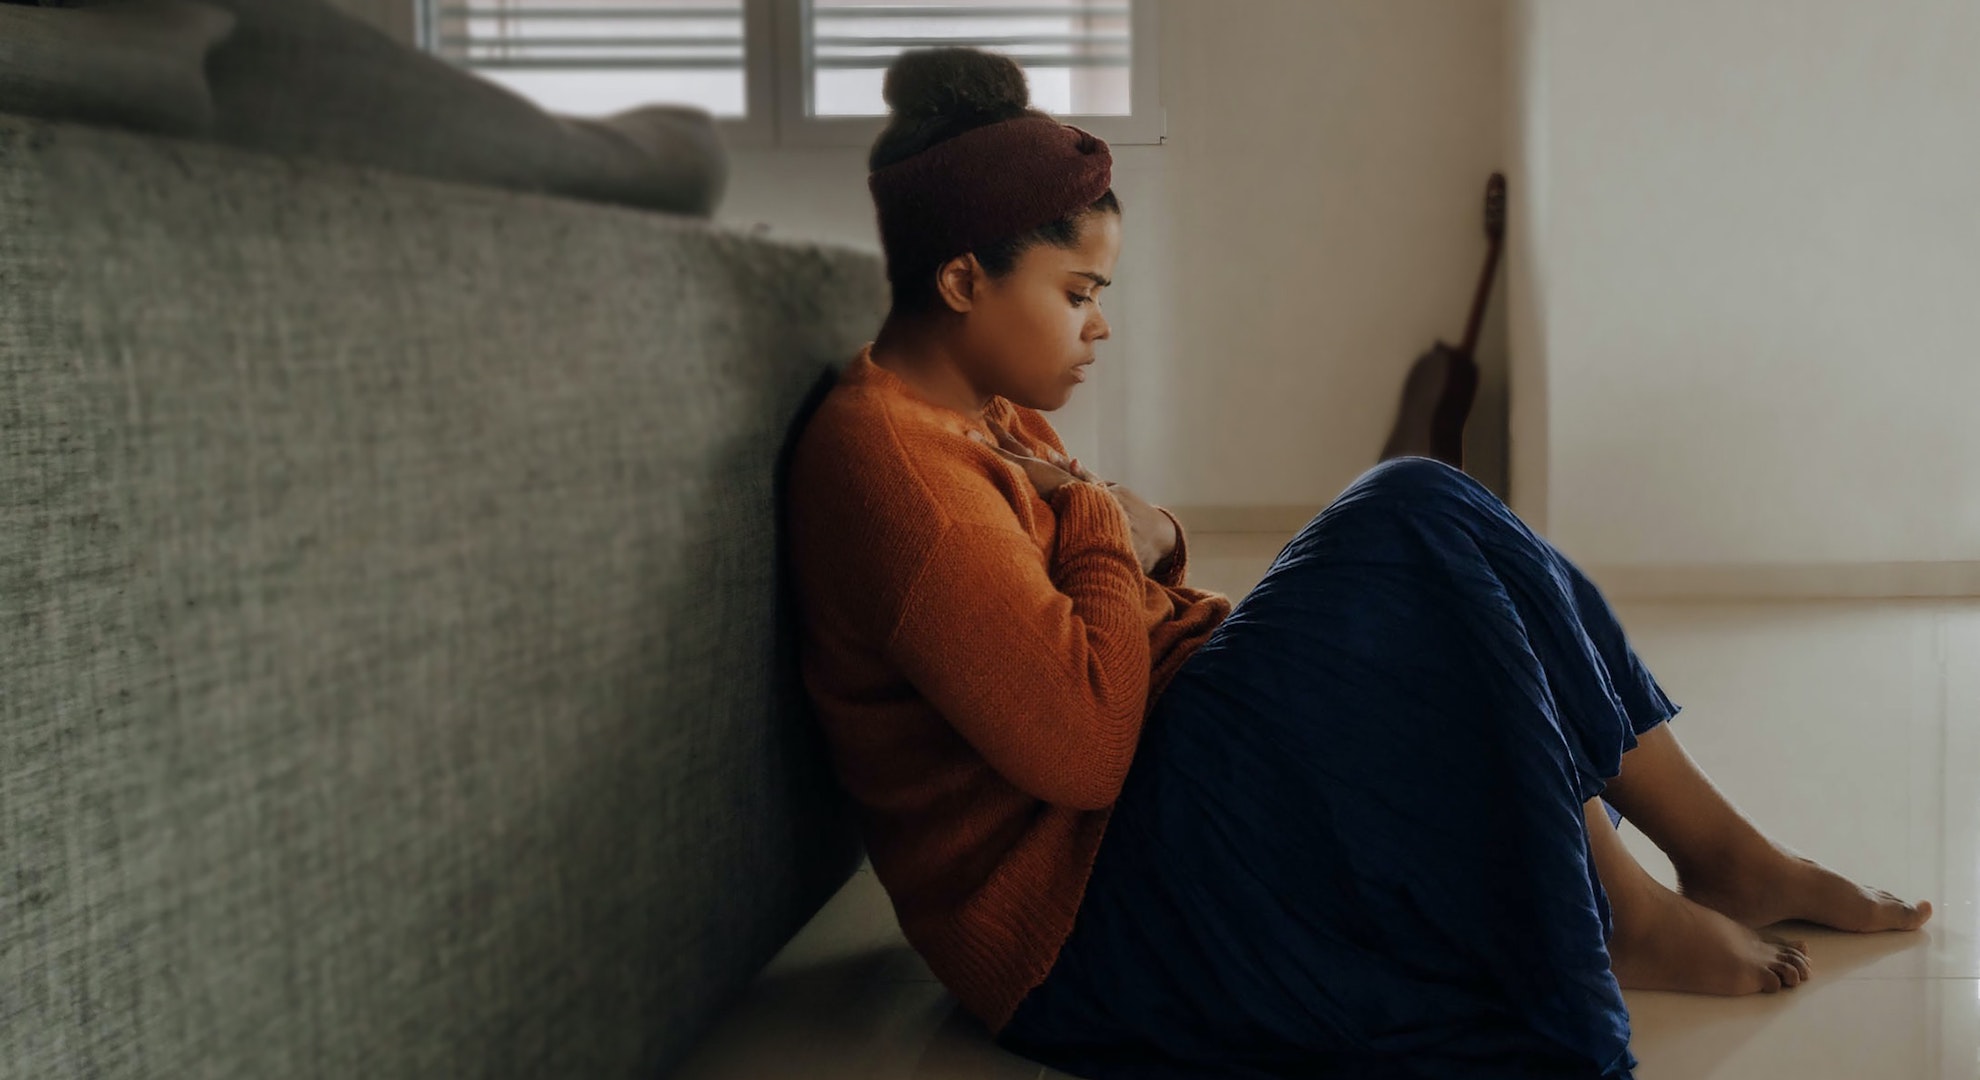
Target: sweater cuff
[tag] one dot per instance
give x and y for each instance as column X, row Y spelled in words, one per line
column 1170, row 570
column 1089, row 515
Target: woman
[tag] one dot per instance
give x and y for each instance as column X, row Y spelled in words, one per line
column 1353, row 828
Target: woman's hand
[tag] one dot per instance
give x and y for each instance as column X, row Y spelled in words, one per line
column 1154, row 534
column 1046, row 476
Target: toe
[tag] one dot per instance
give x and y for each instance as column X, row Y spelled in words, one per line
column 1895, row 914
column 1803, row 969
column 1916, row 915
column 1790, row 960
column 1785, row 971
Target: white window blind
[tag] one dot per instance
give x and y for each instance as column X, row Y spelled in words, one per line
column 591, row 57
column 1078, row 55
column 799, row 72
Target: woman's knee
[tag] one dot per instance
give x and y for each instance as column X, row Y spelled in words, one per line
column 1421, row 481
column 1404, row 497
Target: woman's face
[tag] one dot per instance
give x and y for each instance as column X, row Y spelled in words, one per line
column 1029, row 334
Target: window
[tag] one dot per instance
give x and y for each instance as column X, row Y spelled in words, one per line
column 595, row 57
column 799, row 72
column 1076, row 55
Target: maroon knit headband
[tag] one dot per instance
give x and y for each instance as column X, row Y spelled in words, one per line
column 988, row 184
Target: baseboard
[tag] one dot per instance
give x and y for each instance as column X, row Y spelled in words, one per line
column 1792, row 581
column 1252, row 531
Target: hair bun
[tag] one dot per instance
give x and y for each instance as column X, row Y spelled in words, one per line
column 955, row 80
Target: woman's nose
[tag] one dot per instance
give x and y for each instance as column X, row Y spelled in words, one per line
column 1101, row 331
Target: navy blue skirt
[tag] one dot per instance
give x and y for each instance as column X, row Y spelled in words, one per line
column 1352, row 841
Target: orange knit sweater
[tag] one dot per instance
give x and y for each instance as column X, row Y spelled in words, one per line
column 982, row 661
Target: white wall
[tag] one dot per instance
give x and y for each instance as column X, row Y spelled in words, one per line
column 1749, row 299
column 1325, row 210
column 1313, row 222
column 1526, row 152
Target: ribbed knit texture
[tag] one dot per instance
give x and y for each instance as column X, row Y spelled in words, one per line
column 982, row 661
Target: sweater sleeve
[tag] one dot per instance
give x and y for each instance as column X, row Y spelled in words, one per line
column 1044, row 671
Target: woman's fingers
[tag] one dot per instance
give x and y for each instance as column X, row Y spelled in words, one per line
column 1071, row 464
column 1010, row 442
column 1047, row 472
column 1067, row 462
column 1006, row 444
column 1004, row 440
column 1044, row 475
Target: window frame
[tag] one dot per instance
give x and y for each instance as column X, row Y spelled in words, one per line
column 776, row 84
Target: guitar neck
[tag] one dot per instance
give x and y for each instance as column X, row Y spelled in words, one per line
column 1478, row 300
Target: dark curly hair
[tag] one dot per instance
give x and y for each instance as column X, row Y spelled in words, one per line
column 937, row 94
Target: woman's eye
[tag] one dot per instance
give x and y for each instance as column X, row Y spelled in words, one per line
column 1077, row 299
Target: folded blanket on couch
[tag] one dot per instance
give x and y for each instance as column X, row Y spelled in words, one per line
column 300, row 77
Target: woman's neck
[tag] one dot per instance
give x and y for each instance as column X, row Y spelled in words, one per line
column 920, row 355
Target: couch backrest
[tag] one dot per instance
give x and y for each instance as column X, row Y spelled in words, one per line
column 394, row 675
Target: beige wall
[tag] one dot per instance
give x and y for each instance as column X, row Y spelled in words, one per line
column 1750, row 298
column 1313, row 222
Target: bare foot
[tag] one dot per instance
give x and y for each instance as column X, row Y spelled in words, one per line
column 1775, row 884
column 1664, row 942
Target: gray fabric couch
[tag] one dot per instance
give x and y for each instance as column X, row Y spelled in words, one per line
column 395, row 678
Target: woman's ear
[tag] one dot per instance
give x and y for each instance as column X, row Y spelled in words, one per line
column 956, row 282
